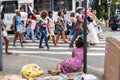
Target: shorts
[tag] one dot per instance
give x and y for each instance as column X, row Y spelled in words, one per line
column 4, row 34
column 20, row 28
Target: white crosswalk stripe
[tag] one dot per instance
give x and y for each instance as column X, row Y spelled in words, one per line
column 63, row 48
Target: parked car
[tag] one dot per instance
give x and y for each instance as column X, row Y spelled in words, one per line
column 114, row 21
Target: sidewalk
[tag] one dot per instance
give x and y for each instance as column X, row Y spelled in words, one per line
column 14, row 63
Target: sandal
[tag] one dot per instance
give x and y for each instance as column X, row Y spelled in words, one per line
column 9, row 53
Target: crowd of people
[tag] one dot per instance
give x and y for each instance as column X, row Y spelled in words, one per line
column 46, row 26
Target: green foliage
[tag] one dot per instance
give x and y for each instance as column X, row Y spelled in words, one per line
column 104, row 7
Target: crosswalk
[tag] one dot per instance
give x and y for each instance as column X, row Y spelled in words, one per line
column 62, row 48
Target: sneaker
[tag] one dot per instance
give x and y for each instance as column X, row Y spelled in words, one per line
column 70, row 46
column 24, row 41
column 38, row 38
column 48, row 48
column 92, row 44
column 41, row 47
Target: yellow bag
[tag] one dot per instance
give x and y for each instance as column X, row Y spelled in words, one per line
column 51, row 37
column 31, row 71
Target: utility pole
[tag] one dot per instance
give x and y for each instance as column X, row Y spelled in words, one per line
column 85, row 38
column 1, row 56
column 109, row 4
column 99, row 4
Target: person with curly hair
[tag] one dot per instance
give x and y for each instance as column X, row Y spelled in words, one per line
column 72, row 64
column 43, row 26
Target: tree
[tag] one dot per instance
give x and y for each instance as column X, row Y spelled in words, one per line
column 104, row 7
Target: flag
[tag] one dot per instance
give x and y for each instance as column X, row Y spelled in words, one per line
column 1, row 8
column 31, row 8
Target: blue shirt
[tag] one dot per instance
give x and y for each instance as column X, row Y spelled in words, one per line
column 18, row 20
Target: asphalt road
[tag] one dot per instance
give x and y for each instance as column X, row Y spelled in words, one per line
column 48, row 59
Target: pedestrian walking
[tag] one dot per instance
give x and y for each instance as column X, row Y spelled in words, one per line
column 60, row 27
column 92, row 33
column 23, row 20
column 19, row 28
column 78, row 25
column 51, row 24
column 4, row 35
column 96, row 23
column 43, row 26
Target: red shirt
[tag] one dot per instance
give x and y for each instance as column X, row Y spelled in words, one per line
column 34, row 17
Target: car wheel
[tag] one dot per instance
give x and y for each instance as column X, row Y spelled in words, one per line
column 114, row 28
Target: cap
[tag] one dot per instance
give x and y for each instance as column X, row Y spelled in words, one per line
column 79, row 8
column 17, row 10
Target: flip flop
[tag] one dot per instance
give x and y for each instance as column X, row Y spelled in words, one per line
column 9, row 53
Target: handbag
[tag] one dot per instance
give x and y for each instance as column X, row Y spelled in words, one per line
column 12, row 28
column 75, row 27
column 51, row 37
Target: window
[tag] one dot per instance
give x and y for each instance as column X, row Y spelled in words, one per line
column 62, row 4
column 9, row 6
column 42, row 4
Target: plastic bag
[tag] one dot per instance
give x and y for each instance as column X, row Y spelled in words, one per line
column 31, row 71
column 51, row 37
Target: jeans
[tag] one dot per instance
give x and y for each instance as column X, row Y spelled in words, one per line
column 76, row 34
column 29, row 30
column 43, row 35
column 36, row 32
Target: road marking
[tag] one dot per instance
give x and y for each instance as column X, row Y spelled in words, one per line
column 53, row 52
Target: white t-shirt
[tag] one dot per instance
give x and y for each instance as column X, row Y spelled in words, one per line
column 51, row 22
column 23, row 16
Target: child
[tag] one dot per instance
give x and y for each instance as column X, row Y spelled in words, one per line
column 30, row 30
column 71, row 64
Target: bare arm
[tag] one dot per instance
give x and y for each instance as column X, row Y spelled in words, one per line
column 3, row 25
column 72, row 53
column 90, row 15
column 79, row 19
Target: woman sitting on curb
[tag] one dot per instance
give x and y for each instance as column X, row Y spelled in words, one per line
column 71, row 64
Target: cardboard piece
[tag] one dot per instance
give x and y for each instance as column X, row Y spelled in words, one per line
column 112, row 59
